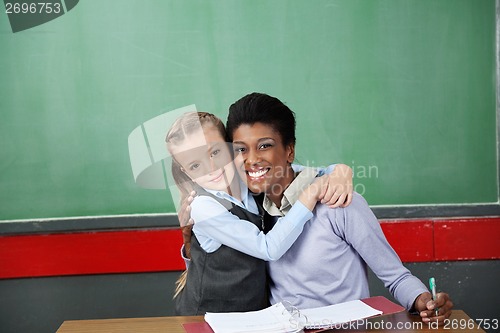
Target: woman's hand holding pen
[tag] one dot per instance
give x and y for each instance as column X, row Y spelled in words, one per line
column 425, row 306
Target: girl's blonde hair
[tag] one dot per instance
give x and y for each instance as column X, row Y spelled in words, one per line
column 185, row 125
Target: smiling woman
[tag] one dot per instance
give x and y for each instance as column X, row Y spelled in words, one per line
column 267, row 159
column 348, row 239
column 268, row 148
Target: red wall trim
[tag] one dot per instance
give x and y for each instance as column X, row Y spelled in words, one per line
column 90, row 253
column 467, row 239
column 413, row 240
column 155, row 250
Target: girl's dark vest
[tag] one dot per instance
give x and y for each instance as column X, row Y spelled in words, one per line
column 225, row 280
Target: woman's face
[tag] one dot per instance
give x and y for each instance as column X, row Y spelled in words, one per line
column 262, row 159
column 206, row 158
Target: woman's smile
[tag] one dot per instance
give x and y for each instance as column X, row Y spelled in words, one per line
column 263, row 157
column 258, row 174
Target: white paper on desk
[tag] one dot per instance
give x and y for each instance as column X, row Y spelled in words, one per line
column 272, row 319
column 328, row 316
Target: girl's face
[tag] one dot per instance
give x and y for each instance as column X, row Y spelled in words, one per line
column 264, row 161
column 205, row 157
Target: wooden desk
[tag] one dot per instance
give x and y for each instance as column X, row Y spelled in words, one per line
column 378, row 324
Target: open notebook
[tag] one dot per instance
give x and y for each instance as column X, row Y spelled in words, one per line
column 286, row 319
column 275, row 318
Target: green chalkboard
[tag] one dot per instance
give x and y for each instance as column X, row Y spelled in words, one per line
column 404, row 91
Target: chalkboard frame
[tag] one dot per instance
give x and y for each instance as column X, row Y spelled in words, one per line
column 171, row 221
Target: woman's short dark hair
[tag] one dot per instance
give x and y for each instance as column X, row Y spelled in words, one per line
column 261, row 108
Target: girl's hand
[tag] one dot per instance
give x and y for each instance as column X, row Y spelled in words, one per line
column 314, row 192
column 186, row 222
column 339, row 191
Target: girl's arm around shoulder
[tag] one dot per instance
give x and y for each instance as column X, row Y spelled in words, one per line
column 215, row 225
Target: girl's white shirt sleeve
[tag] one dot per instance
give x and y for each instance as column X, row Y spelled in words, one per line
column 215, row 226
